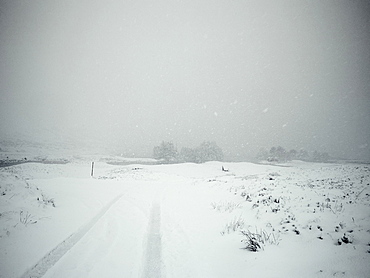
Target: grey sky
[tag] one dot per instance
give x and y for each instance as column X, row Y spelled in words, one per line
column 246, row 74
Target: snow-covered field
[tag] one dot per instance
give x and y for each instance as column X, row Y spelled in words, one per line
column 185, row 220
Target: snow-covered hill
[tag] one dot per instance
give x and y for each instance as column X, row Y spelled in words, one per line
column 184, row 220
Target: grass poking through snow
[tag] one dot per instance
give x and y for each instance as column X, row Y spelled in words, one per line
column 256, row 241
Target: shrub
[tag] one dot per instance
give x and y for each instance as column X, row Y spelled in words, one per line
column 209, row 151
column 165, row 151
column 253, row 241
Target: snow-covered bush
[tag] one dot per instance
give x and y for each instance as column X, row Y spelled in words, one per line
column 166, row 151
column 279, row 154
column 253, row 241
column 207, row 151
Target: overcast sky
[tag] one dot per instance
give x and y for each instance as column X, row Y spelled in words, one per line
column 246, row 74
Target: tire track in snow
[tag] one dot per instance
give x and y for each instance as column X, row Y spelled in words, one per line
column 42, row 266
column 153, row 256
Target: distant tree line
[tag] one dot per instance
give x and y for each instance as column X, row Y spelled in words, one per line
column 207, row 151
column 279, row 154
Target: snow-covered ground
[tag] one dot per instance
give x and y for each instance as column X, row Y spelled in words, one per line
column 184, row 220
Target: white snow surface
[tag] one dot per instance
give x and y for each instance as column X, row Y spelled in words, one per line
column 184, row 220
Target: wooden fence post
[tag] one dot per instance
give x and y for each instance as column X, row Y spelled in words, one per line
column 92, row 168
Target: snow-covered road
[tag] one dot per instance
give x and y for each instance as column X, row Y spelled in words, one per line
column 153, row 253
column 58, row 252
column 112, row 245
